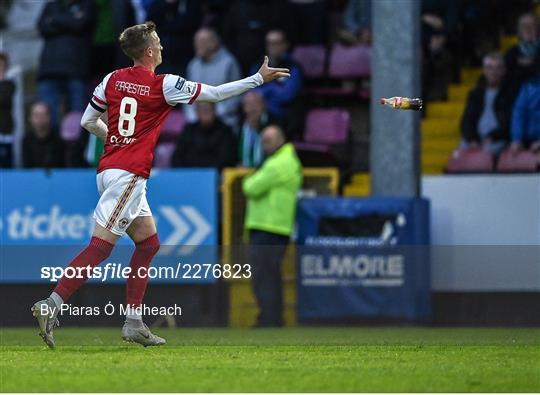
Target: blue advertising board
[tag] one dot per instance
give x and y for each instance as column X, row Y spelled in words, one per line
column 363, row 258
column 46, row 218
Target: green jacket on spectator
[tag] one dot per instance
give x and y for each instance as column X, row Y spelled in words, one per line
column 272, row 192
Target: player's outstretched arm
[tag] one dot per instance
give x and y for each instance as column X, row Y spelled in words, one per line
column 222, row 92
column 91, row 121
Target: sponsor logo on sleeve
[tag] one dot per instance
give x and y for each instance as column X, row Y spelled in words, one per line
column 190, row 87
column 180, row 83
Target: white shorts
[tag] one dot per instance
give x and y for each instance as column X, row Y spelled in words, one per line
column 123, row 198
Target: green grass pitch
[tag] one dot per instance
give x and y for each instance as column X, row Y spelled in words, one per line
column 281, row 360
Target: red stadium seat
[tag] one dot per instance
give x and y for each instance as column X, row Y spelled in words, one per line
column 173, row 126
column 303, row 146
column 163, row 155
column 327, row 126
column 520, row 162
column 312, row 58
column 347, row 70
column 470, row 160
column 350, row 62
column 70, row 133
column 70, row 129
column 325, row 130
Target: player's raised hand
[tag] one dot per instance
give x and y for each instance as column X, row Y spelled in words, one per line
column 272, row 73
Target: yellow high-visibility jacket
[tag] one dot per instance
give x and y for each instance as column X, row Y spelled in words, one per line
column 272, row 192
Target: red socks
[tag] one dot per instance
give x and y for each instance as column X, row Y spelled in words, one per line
column 96, row 252
column 136, row 283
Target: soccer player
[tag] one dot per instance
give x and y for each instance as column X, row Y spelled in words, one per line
column 137, row 102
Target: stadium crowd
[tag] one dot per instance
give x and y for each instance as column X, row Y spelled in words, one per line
column 504, row 106
column 215, row 41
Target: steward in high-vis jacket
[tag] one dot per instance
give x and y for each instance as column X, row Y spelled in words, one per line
column 271, row 193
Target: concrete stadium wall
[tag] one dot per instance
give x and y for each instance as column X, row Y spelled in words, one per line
column 486, row 232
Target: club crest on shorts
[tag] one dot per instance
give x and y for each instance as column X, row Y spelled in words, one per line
column 123, row 223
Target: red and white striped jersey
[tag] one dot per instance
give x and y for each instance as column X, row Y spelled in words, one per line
column 137, row 102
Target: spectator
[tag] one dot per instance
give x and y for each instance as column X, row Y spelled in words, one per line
column 357, row 22
column 480, row 24
column 4, row 9
column 177, row 21
column 111, row 19
column 438, row 34
column 281, row 95
column 523, row 59
column 213, row 65
column 309, row 21
column 486, row 119
column 7, row 89
column 104, row 39
column 140, row 9
column 271, row 194
column 246, row 25
column 42, row 147
column 66, row 27
column 439, row 17
column 206, row 143
column 255, row 119
column 214, row 12
column 525, row 128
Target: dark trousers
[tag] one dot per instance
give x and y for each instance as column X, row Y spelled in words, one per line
column 52, row 90
column 266, row 254
column 6, row 155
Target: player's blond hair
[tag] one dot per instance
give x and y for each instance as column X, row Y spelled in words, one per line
column 135, row 39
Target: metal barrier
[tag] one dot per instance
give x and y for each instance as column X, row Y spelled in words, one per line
column 242, row 307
